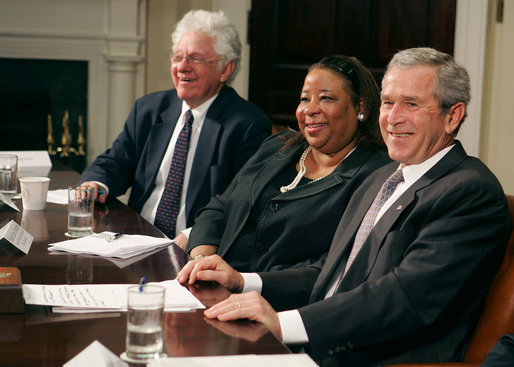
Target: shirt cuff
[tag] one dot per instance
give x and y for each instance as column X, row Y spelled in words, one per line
column 293, row 329
column 253, row 282
column 186, row 232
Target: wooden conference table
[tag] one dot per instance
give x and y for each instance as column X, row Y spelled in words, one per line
column 40, row 338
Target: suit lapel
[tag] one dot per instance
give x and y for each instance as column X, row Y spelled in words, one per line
column 206, row 148
column 351, row 219
column 272, row 168
column 360, row 270
column 202, row 160
column 158, row 141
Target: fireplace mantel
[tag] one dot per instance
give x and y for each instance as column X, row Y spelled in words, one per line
column 109, row 34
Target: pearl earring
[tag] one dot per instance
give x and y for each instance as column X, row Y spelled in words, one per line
column 360, row 116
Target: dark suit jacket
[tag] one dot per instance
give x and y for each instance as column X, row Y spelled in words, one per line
column 233, row 130
column 414, row 290
column 294, row 227
column 502, row 354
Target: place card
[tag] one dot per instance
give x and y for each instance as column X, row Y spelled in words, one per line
column 95, row 354
column 32, row 162
column 7, row 201
column 14, row 236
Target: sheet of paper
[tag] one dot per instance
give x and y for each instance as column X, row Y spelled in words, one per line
column 124, row 247
column 59, row 196
column 96, row 354
column 13, row 235
column 102, row 297
column 6, row 200
column 247, row 360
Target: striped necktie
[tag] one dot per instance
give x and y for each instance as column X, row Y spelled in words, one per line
column 368, row 222
column 167, row 211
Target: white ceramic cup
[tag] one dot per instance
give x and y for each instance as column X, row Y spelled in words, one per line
column 33, row 192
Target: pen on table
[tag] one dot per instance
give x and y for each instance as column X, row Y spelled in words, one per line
column 114, row 237
column 142, row 283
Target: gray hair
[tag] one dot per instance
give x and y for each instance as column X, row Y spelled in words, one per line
column 452, row 83
column 217, row 26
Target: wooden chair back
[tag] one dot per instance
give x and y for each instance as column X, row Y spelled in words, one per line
column 497, row 317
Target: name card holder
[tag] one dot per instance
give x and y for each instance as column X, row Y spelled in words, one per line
column 11, row 295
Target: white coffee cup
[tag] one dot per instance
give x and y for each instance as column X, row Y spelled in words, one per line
column 33, row 192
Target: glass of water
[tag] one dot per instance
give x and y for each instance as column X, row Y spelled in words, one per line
column 145, row 323
column 9, row 174
column 81, row 209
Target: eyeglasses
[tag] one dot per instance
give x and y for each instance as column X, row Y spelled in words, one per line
column 177, row 59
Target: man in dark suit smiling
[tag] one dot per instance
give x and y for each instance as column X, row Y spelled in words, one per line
column 414, row 252
column 182, row 146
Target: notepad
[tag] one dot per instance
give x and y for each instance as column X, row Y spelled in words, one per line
column 123, row 248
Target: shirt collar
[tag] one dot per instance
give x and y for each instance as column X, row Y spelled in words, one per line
column 413, row 172
column 200, row 111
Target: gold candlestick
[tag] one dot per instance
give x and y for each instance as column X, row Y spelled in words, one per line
column 66, row 137
column 81, row 141
column 50, row 137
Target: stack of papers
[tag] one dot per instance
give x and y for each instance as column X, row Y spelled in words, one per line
column 84, row 298
column 123, row 247
column 59, row 196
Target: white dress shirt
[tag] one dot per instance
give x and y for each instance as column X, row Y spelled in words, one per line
column 291, row 323
column 150, row 207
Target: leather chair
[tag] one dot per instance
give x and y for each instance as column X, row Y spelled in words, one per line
column 497, row 317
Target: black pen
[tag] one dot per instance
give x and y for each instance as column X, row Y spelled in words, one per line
column 114, row 237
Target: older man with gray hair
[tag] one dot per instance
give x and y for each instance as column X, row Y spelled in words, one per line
column 182, row 146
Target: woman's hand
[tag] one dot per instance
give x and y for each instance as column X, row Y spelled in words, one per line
column 250, row 306
column 211, row 268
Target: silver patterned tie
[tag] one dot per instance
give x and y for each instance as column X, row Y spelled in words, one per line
column 369, row 219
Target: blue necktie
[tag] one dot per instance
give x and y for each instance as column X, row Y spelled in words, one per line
column 167, row 211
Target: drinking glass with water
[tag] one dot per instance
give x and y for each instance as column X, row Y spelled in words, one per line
column 8, row 174
column 81, row 208
column 145, row 323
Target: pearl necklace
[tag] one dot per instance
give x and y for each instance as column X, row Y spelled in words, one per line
column 302, row 171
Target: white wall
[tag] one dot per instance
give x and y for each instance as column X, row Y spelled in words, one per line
column 497, row 133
